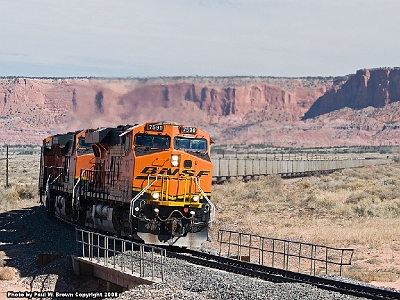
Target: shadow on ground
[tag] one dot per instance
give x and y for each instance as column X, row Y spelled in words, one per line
column 26, row 233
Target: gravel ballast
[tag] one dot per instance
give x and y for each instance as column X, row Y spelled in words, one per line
column 31, row 232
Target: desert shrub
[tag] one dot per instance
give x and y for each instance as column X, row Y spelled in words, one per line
column 383, row 192
column 357, row 197
column 25, row 192
column 304, row 184
column 388, row 181
column 375, row 208
column 326, row 178
column 15, row 195
column 351, row 173
column 356, row 185
column 309, row 201
column 274, row 182
column 392, row 192
column 6, row 273
column 325, row 203
column 305, row 196
column 367, row 210
column 18, row 192
column 390, row 209
column 336, row 185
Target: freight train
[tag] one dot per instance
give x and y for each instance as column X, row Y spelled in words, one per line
column 148, row 182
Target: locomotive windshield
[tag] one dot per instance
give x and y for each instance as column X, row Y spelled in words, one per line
column 190, row 144
column 152, row 141
column 84, row 148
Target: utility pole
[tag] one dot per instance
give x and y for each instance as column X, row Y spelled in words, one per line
column 7, row 158
column 7, row 167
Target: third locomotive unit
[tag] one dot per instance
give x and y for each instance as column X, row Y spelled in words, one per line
column 149, row 182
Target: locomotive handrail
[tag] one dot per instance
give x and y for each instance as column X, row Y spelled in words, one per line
column 55, row 179
column 134, row 199
column 48, row 183
column 212, row 206
column 47, row 191
column 52, row 172
column 74, row 190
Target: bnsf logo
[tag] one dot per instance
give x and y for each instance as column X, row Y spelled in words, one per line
column 170, row 171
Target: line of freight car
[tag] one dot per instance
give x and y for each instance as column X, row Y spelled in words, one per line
column 226, row 168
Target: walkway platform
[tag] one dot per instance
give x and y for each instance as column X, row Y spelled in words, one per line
column 117, row 279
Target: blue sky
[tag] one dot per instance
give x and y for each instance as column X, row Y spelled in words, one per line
column 130, row 38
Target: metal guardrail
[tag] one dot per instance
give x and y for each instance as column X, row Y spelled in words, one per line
column 285, row 254
column 126, row 256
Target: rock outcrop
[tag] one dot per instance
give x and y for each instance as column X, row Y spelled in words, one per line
column 375, row 88
column 360, row 109
column 39, row 107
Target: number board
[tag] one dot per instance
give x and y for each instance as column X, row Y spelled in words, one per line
column 191, row 130
column 155, row 127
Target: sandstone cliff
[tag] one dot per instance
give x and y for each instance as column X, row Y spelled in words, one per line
column 360, row 109
column 34, row 108
column 375, row 88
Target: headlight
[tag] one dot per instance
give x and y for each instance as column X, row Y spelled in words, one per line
column 196, row 198
column 155, row 195
column 175, row 160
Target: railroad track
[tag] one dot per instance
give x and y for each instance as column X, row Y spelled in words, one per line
column 274, row 274
column 279, row 275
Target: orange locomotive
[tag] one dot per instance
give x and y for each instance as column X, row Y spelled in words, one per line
column 151, row 182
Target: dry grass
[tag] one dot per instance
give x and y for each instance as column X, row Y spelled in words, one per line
column 6, row 273
column 358, row 208
column 23, row 181
column 369, row 276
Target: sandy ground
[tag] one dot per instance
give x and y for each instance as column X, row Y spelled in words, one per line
column 382, row 261
column 27, row 232
column 11, row 286
column 395, row 285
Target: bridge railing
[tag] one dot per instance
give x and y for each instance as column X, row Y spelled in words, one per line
column 289, row 255
column 145, row 261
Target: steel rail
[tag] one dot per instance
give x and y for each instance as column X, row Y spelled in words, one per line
column 282, row 276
